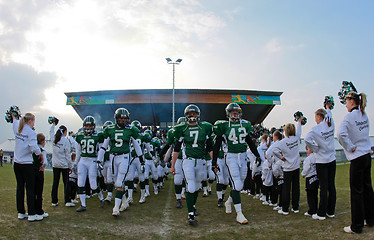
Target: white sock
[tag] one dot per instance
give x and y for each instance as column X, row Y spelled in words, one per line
column 100, row 195
column 110, row 194
column 142, row 193
column 238, row 207
column 117, row 202
column 178, row 196
column 219, row 194
column 82, row 197
column 229, row 199
column 147, row 189
column 123, row 198
column 130, row 193
column 183, row 190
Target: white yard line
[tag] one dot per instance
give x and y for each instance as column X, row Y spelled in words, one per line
column 165, row 222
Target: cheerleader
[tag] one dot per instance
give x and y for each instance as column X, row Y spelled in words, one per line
column 311, row 182
column 353, row 135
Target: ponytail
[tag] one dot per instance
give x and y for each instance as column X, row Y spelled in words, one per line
column 322, row 113
column 363, row 102
column 25, row 120
column 60, row 131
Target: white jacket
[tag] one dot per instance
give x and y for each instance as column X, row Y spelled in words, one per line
column 354, row 132
column 61, row 156
column 278, row 169
column 321, row 140
column 309, row 166
column 289, row 147
column 270, row 156
column 267, row 174
column 26, row 144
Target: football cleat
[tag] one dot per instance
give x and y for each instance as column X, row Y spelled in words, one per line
column 124, row 206
column 142, row 200
column 108, row 198
column 102, row 203
column 179, row 203
column 240, row 218
column 147, row 194
column 81, row 209
column 220, row 203
column 228, row 207
column 115, row 212
column 130, row 200
column 191, row 219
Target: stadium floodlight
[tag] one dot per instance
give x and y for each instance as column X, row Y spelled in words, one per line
column 169, row 61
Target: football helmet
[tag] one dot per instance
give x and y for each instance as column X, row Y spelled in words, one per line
column 329, row 99
column 346, row 88
column 188, row 110
column 233, row 106
column 122, row 117
column 107, row 123
column 297, row 115
column 136, row 124
column 89, row 125
column 181, row 120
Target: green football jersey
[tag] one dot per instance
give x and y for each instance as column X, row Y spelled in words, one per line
column 155, row 144
column 194, row 138
column 89, row 143
column 143, row 138
column 234, row 133
column 170, row 137
column 120, row 138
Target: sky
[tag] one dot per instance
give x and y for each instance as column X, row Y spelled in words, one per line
column 304, row 49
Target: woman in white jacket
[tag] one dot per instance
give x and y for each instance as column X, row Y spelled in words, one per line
column 25, row 146
column 353, row 135
column 321, row 141
column 288, row 151
column 61, row 163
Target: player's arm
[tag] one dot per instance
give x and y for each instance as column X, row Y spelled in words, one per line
column 177, row 148
column 137, row 149
column 216, row 148
column 253, row 148
column 103, row 148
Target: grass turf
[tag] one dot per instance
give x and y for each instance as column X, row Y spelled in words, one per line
column 159, row 219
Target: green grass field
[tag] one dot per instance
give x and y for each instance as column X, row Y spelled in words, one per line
column 159, row 219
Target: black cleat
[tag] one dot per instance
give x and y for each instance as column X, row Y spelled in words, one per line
column 191, row 219
column 210, row 192
column 195, row 212
column 81, row 209
column 179, row 203
column 102, row 203
column 220, row 203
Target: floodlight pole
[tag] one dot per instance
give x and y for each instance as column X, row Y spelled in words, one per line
column 169, row 61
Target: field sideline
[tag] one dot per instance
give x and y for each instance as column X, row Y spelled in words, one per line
column 159, row 219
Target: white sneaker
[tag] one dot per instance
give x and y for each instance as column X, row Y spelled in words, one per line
column 44, row 215
column 22, row 216
column 295, row 211
column 54, row 204
column 240, row 218
column 142, row 200
column 147, row 194
column 74, row 201
column 130, row 200
column 243, row 191
column 257, row 196
column 315, row 216
column 69, row 204
column 228, row 207
column 124, row 205
column 263, row 198
column 115, row 212
column 348, row 229
column 307, row 214
column 35, row 217
column 284, row 213
column 265, row 203
column 277, row 208
column 272, row 204
column 330, row 216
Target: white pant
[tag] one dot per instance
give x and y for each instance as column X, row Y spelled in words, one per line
column 178, row 177
column 210, row 173
column 121, row 167
column 135, row 167
column 107, row 171
column 222, row 174
column 237, row 168
column 150, row 168
column 193, row 171
column 87, row 166
column 160, row 171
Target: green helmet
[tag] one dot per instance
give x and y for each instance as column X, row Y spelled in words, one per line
column 137, row 124
column 122, row 113
column 89, row 125
column 233, row 106
column 189, row 109
column 149, row 132
column 107, row 123
column 181, row 120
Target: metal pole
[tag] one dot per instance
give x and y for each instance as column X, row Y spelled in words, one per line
column 173, row 113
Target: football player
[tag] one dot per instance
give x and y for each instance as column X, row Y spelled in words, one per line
column 87, row 147
column 119, row 137
column 222, row 174
column 196, row 137
column 107, row 171
column 236, row 133
column 150, row 167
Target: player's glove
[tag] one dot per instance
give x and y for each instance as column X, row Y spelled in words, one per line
column 214, row 167
column 258, row 161
column 100, row 166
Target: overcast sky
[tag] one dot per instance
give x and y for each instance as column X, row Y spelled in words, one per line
column 304, row 49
